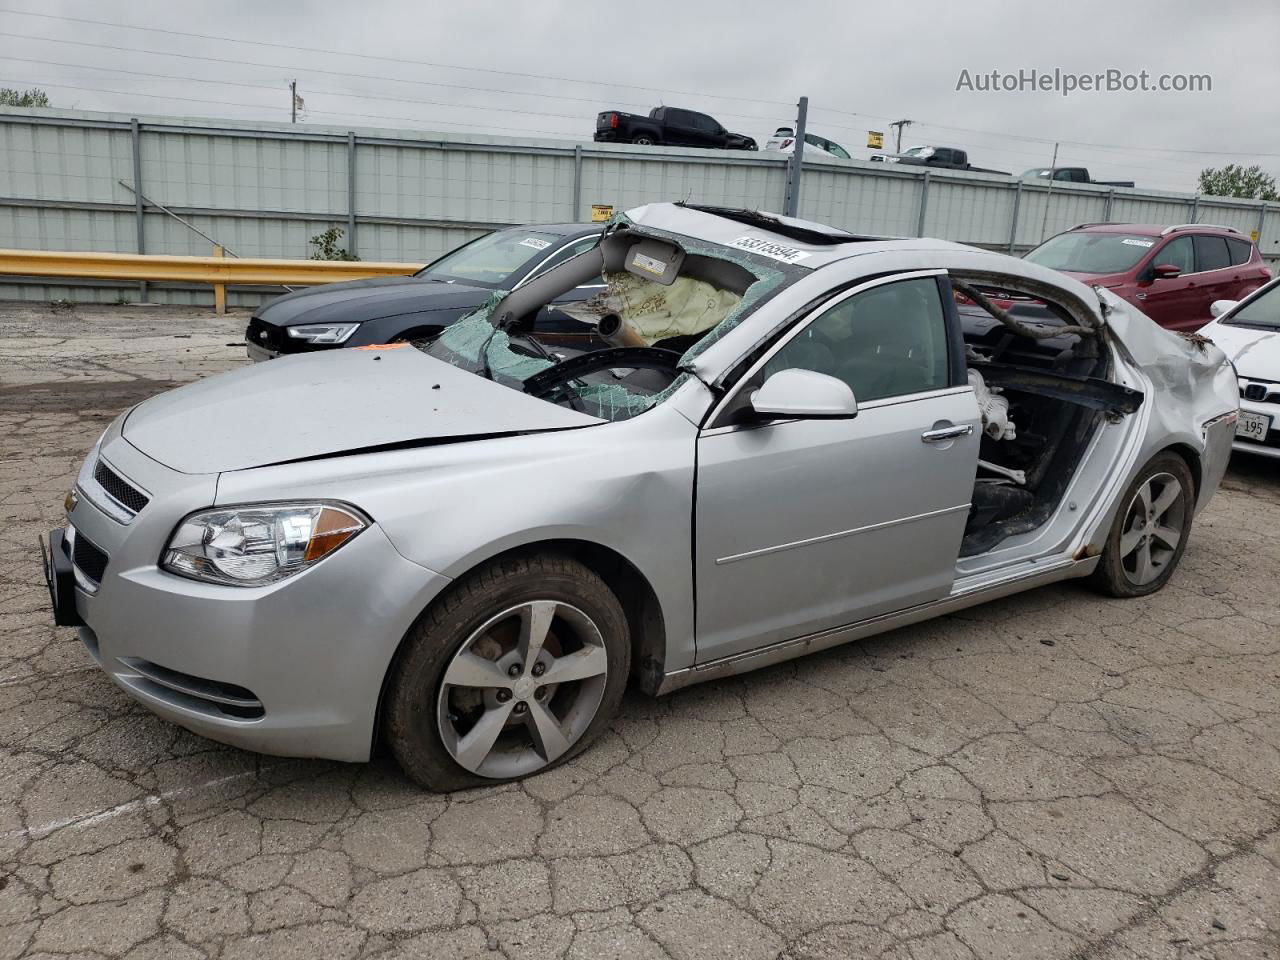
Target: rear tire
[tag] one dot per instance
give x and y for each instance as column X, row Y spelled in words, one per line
column 514, row 670
column 644, row 140
column 1150, row 531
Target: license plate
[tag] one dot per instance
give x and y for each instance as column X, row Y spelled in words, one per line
column 1253, row 426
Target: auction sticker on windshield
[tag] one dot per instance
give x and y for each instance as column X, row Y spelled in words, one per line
column 1138, row 243
column 535, row 243
column 770, row 249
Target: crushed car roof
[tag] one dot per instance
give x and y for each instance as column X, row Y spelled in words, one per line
column 803, row 243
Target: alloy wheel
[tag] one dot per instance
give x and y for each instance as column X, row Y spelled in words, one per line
column 1153, row 528
column 522, row 689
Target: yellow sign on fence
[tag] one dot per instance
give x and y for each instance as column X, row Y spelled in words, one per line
column 601, row 212
column 875, row 139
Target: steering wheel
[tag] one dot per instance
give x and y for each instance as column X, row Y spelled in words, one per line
column 640, row 358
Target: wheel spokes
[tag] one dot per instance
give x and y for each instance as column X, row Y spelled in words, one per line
column 1130, row 540
column 1144, row 498
column 590, row 661
column 475, row 746
column 535, row 623
column 548, row 737
column 1144, row 570
column 1166, row 499
column 1166, row 535
column 469, row 670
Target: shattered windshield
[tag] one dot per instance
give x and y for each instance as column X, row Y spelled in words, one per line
column 682, row 318
column 489, row 261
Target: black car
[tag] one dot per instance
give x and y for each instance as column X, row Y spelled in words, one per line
column 386, row 309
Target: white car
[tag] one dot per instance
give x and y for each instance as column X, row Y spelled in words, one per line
column 1248, row 331
column 784, row 141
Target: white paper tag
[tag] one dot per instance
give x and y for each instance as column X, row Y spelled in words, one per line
column 770, row 248
column 649, row 264
column 535, row 243
column 1138, row 243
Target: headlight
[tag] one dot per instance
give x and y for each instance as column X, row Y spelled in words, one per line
column 323, row 332
column 253, row 545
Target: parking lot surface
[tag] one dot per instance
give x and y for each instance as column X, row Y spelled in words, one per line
column 1052, row 775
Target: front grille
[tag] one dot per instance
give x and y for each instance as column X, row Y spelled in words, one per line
column 123, row 492
column 212, row 697
column 90, row 561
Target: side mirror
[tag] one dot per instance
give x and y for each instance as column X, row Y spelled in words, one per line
column 804, row 395
column 1219, row 307
column 1165, row 271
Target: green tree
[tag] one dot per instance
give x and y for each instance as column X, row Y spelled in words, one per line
column 326, row 246
column 23, row 98
column 1252, row 183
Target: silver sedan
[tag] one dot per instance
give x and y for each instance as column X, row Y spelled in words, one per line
column 468, row 547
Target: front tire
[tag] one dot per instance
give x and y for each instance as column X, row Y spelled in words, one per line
column 515, row 669
column 1150, row 532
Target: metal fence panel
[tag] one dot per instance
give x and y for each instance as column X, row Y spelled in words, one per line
column 266, row 189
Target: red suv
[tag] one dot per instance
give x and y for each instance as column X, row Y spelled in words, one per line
column 1171, row 274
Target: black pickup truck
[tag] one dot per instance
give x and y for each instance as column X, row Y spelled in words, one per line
column 948, row 158
column 672, row 126
column 1071, row 175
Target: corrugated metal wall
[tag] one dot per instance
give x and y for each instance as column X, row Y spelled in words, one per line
column 266, row 189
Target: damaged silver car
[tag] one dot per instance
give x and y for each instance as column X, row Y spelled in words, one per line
column 785, row 437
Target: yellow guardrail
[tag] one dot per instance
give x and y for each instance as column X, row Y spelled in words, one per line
column 218, row 271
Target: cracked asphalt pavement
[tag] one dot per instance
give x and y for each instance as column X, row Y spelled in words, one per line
column 1051, row 775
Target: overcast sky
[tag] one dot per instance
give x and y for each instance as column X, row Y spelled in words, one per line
column 547, row 67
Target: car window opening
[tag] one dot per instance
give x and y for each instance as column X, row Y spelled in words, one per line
column 676, row 307
column 1038, row 372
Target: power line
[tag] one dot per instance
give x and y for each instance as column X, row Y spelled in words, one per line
column 596, row 101
column 262, row 106
column 315, row 70
column 263, row 86
column 369, row 56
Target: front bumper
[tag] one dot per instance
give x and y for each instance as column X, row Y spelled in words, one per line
column 257, row 354
column 294, row 668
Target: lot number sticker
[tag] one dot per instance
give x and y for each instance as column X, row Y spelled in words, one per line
column 1138, row 243
column 535, row 243
column 770, row 249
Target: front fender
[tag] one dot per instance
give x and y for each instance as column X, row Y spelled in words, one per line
column 627, row 486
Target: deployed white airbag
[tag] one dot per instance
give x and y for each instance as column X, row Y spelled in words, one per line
column 648, row 312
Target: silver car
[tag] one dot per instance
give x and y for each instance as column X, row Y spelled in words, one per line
column 468, row 547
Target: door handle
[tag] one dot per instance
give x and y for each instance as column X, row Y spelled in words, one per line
column 946, row 433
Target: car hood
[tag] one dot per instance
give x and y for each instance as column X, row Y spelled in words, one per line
column 331, row 403
column 1256, row 353
column 355, row 301
column 1096, row 279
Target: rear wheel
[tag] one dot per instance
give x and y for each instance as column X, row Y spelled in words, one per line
column 1150, row 532
column 644, row 139
column 512, row 672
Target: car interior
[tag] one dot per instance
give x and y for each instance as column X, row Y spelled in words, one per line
column 1042, row 388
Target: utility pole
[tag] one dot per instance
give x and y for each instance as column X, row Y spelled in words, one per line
column 1048, row 197
column 797, row 159
column 897, row 126
column 293, row 101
